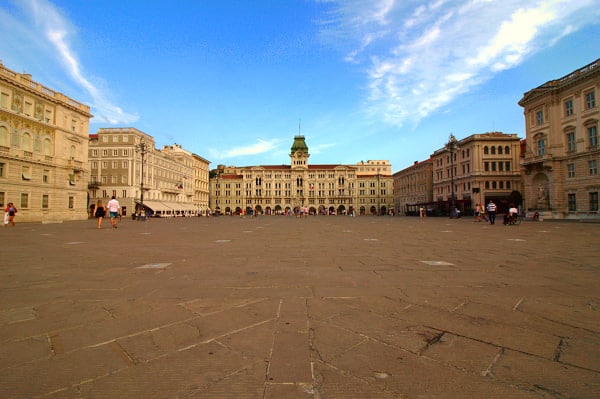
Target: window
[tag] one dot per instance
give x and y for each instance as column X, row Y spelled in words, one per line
column 571, row 170
column 104, row 153
column 26, row 142
column 486, row 150
column 493, row 150
column 2, row 168
column 46, row 176
column 499, row 150
column 507, row 166
column 3, row 136
column 594, row 201
column 593, row 135
column 571, row 141
column 44, row 201
column 507, row 150
column 541, row 145
column 26, row 173
column 593, row 167
column 71, row 202
column 486, row 166
column 47, row 147
column 572, row 202
column 115, row 153
column 539, row 115
column 4, row 100
column 568, row 107
column 24, row 200
column 2, row 199
column 590, row 99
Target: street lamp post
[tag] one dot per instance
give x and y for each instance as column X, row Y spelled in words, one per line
column 142, row 148
column 452, row 146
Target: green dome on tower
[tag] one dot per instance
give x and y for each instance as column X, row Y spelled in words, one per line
column 299, row 145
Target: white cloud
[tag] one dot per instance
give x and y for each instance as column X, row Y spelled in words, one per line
column 260, row 147
column 420, row 57
column 49, row 23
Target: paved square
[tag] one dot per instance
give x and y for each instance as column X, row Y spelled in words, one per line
column 279, row 307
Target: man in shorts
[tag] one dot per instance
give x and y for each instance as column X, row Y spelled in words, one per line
column 113, row 210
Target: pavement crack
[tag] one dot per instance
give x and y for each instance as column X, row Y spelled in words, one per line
column 559, row 349
column 431, row 341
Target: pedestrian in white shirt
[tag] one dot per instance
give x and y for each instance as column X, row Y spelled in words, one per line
column 113, row 210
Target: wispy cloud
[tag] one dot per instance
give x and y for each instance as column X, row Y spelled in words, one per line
column 260, row 147
column 58, row 32
column 420, row 58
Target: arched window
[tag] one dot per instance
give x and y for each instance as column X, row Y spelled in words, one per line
column 486, row 150
column 493, row 150
column 500, row 150
column 26, row 142
column 3, row 136
column 47, row 147
column 507, row 150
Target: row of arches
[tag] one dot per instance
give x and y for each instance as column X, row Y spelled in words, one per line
column 28, row 142
column 310, row 210
column 496, row 150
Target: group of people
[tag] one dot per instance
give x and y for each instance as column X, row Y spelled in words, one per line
column 488, row 213
column 112, row 207
column 9, row 215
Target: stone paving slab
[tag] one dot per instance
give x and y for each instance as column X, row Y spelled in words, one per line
column 278, row 307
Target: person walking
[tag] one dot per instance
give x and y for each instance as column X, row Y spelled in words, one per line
column 99, row 212
column 9, row 216
column 477, row 213
column 113, row 211
column 491, row 211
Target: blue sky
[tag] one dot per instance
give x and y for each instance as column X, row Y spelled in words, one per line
column 234, row 81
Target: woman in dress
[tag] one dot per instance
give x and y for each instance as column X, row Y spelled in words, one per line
column 99, row 212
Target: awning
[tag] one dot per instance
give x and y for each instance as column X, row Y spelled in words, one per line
column 156, row 206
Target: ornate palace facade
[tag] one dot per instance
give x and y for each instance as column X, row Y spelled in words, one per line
column 363, row 188
column 43, row 150
column 562, row 156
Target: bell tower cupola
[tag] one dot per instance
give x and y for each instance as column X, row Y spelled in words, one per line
column 299, row 153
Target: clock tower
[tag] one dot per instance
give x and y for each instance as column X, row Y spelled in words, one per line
column 299, row 154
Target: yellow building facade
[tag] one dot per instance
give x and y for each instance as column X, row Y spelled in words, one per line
column 478, row 168
column 363, row 188
column 43, row 150
column 124, row 163
column 413, row 186
column 560, row 166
